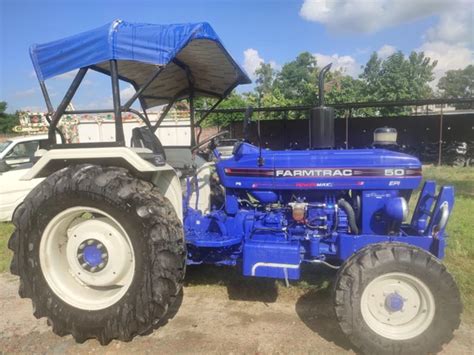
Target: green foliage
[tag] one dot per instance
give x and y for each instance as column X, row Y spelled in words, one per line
column 342, row 88
column 7, row 121
column 217, row 119
column 297, row 80
column 397, row 78
column 6, row 229
column 394, row 78
column 265, row 77
column 458, row 84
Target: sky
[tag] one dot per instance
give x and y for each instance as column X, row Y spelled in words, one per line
column 344, row 32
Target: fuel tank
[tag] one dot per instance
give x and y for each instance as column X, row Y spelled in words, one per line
column 318, row 169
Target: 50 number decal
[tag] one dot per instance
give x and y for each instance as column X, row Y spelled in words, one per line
column 394, row 172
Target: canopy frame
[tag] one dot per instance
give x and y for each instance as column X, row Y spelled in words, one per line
column 54, row 116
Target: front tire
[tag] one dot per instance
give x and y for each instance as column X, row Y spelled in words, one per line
column 100, row 253
column 396, row 298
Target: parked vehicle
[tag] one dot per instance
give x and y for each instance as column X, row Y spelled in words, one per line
column 101, row 245
column 17, row 156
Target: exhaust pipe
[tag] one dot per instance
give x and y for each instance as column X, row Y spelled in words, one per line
column 321, row 125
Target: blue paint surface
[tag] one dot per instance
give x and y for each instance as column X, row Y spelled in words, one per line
column 92, row 255
column 267, row 241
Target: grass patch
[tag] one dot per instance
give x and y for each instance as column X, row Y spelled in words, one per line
column 459, row 253
column 6, row 230
column 460, row 242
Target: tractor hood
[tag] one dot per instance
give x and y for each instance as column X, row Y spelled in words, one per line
column 319, row 169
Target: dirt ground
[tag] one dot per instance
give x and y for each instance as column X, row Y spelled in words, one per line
column 211, row 319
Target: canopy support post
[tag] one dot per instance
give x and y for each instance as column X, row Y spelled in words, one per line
column 47, row 100
column 205, row 114
column 64, row 103
column 163, row 115
column 142, row 89
column 145, row 117
column 190, row 78
column 119, row 136
column 191, row 117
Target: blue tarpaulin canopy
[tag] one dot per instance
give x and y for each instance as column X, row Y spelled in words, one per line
column 192, row 56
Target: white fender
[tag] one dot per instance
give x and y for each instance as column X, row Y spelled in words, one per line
column 163, row 176
column 168, row 183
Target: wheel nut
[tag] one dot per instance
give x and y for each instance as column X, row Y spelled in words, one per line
column 104, row 255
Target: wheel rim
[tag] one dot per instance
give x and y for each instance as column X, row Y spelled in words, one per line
column 87, row 258
column 397, row 306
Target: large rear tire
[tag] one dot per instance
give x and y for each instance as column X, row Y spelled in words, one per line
column 100, row 253
column 393, row 298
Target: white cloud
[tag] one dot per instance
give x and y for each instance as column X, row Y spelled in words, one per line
column 274, row 65
column 344, row 63
column 450, row 40
column 455, row 26
column 252, row 61
column 369, row 16
column 126, row 93
column 449, row 56
column 386, row 51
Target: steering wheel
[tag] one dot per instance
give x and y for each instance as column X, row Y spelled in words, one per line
column 207, row 141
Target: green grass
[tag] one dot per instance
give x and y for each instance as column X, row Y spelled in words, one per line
column 459, row 254
column 460, row 249
column 5, row 254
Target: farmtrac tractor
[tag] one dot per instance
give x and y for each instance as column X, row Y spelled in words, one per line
column 101, row 245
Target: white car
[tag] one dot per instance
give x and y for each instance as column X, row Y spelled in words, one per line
column 16, row 158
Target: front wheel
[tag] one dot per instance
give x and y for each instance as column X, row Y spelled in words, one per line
column 396, row 298
column 100, row 253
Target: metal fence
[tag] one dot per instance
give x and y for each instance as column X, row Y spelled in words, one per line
column 420, row 128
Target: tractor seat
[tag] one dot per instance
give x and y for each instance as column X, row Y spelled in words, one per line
column 143, row 137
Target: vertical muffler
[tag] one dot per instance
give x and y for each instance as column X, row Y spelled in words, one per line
column 322, row 119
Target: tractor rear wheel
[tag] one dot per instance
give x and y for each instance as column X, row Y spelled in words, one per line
column 100, row 253
column 396, row 298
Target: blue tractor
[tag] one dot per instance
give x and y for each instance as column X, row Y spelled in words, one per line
column 101, row 245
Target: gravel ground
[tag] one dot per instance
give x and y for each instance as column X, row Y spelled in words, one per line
column 210, row 320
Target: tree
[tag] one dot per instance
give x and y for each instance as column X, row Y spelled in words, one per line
column 234, row 100
column 342, row 88
column 297, row 80
column 458, row 84
column 265, row 77
column 397, row 78
column 394, row 78
column 7, row 121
